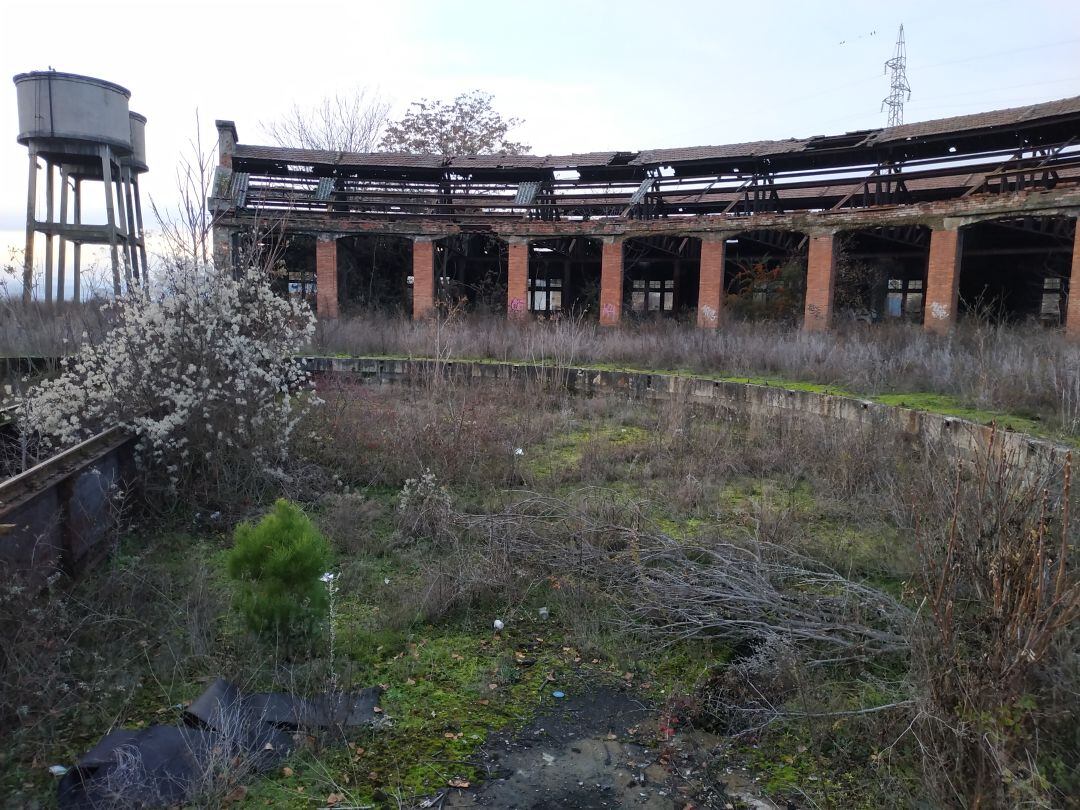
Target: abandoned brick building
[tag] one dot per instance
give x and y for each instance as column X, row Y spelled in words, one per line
column 922, row 221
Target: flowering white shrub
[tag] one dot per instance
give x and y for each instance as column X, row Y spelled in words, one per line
column 200, row 369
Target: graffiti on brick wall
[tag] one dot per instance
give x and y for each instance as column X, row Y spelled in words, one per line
column 608, row 312
column 517, row 305
column 939, row 312
column 709, row 314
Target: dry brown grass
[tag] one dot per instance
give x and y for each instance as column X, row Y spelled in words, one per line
column 1017, row 369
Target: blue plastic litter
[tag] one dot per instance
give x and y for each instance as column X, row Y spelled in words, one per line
column 558, row 694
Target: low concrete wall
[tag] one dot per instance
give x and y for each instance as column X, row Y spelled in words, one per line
column 966, row 439
column 61, row 514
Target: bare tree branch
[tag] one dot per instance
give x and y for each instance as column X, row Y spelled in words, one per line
column 349, row 121
column 188, row 227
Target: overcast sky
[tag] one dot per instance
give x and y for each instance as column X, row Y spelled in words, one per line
column 583, row 74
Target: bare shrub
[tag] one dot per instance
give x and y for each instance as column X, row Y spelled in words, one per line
column 82, row 651
column 462, row 433
column 739, row 591
column 1000, row 599
column 351, row 521
column 424, row 511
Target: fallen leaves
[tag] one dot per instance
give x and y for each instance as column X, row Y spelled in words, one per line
column 457, row 782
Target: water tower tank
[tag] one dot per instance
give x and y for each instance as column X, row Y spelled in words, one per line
column 67, row 107
column 137, row 161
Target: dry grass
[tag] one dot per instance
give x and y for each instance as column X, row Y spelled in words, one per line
column 1018, row 369
column 840, row 645
column 1023, row 370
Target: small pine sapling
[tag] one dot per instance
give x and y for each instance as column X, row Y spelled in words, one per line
column 278, row 564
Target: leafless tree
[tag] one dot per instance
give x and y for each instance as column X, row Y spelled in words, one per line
column 187, row 228
column 350, row 121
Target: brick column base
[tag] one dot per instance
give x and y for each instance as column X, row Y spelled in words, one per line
column 517, row 281
column 223, row 258
column 611, row 282
column 1072, row 315
column 711, row 283
column 423, row 288
column 942, row 280
column 326, row 278
column 820, row 282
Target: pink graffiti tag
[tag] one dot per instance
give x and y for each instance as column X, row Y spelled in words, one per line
column 517, row 305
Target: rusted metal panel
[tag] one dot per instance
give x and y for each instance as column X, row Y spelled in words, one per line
column 60, row 514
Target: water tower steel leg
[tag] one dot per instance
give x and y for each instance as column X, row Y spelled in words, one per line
column 138, row 222
column 76, row 250
column 61, row 261
column 49, row 183
column 110, row 216
column 133, row 235
column 31, row 202
column 122, row 225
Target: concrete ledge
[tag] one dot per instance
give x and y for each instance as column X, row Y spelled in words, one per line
column 964, row 438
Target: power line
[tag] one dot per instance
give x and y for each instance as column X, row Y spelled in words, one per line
column 899, row 89
column 995, row 54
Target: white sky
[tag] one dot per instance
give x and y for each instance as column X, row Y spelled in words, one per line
column 584, row 74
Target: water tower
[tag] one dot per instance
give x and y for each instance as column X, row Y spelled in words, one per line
column 81, row 127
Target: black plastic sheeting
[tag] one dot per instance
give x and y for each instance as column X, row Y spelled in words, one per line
column 167, row 765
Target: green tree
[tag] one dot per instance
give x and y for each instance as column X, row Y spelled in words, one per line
column 279, row 564
column 468, row 125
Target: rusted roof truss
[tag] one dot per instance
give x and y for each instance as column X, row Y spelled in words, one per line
column 1030, row 148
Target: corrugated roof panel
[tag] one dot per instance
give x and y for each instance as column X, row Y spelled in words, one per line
column 526, row 192
column 983, row 120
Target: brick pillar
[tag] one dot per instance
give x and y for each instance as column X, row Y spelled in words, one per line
column 223, row 254
column 711, row 282
column 942, row 280
column 517, row 281
column 820, row 282
column 1072, row 314
column 611, row 281
column 227, row 140
column 326, row 277
column 423, row 287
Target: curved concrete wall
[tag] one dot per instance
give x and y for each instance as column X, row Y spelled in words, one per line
column 966, row 439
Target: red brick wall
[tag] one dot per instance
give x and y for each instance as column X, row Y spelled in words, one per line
column 1072, row 315
column 611, row 282
column 423, row 289
column 711, row 283
column 326, row 278
column 820, row 282
column 517, row 283
column 942, row 280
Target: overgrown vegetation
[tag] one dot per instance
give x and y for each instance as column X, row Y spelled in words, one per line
column 865, row 622
column 200, row 370
column 1028, row 373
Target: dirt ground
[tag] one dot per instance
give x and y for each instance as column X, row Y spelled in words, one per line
column 601, row 749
